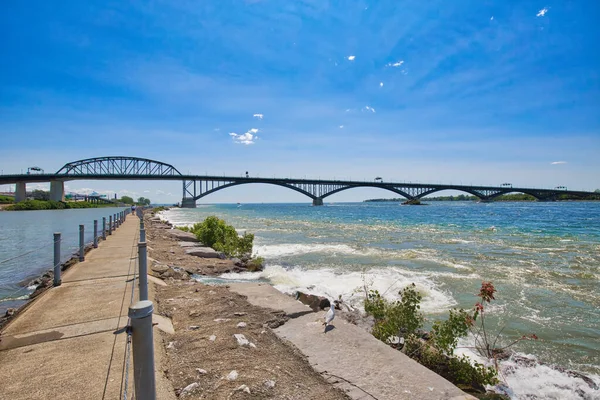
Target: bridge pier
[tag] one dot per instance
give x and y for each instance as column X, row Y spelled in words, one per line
column 188, row 202
column 317, row 201
column 57, row 191
column 20, row 192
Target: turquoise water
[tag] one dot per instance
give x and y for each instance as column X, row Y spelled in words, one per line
column 27, row 245
column 543, row 258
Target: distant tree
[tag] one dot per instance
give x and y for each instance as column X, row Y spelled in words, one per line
column 127, row 200
column 597, row 191
column 40, row 195
column 143, row 201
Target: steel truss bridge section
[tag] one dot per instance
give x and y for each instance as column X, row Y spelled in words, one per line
column 119, row 166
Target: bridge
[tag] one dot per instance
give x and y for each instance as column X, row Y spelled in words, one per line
column 196, row 187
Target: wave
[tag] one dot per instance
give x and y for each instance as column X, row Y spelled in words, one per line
column 523, row 377
column 333, row 283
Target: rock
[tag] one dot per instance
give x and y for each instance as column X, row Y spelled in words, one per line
column 241, row 325
column 243, row 388
column 201, row 371
column 237, row 262
column 212, row 338
column 189, row 244
column 221, row 319
column 189, row 389
column 242, row 341
column 232, row 376
column 194, row 328
column 183, row 236
column 171, row 345
column 269, row 384
column 204, row 252
column 10, row 312
column 317, row 303
column 159, row 268
column 240, row 313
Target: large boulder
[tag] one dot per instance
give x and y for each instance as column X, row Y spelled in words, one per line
column 183, row 236
column 315, row 302
column 204, row 252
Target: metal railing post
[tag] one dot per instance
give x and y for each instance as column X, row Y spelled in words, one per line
column 143, row 270
column 81, row 243
column 110, row 224
column 95, row 233
column 57, row 280
column 143, row 349
column 103, row 228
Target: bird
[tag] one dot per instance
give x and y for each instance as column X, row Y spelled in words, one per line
column 329, row 316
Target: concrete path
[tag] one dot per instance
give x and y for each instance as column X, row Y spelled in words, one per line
column 349, row 357
column 63, row 346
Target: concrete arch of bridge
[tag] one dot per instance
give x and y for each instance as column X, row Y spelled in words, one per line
column 239, row 183
column 369, row 186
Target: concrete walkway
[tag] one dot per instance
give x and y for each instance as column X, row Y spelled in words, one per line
column 348, row 356
column 63, row 346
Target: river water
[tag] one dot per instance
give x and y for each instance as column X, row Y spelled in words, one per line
column 543, row 258
column 27, row 245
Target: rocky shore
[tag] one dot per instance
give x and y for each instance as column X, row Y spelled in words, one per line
column 222, row 347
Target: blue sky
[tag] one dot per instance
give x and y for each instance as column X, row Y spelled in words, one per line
column 480, row 92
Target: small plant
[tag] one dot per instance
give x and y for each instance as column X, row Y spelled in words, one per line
column 403, row 318
column 216, row 233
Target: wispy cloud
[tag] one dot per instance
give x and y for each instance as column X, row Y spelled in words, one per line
column 351, row 58
column 558, row 162
column 396, row 64
column 259, row 116
column 246, row 138
column 380, row 84
column 492, row 18
column 542, row 12
column 367, row 108
column 341, row 126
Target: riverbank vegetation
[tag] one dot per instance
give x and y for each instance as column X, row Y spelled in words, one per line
column 216, row 233
column 52, row 205
column 6, row 199
column 400, row 325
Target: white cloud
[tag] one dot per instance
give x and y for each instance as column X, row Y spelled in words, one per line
column 558, row 162
column 542, row 12
column 396, row 64
column 247, row 138
column 351, row 58
column 367, row 108
column 492, row 18
column 380, row 84
column 146, row 191
column 259, row 116
column 341, row 126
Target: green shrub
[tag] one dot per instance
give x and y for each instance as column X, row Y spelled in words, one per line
column 216, row 233
column 400, row 318
column 404, row 318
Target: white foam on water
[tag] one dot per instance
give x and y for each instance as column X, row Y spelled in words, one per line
column 532, row 380
column 333, row 283
column 283, row 250
column 543, row 382
column 289, row 249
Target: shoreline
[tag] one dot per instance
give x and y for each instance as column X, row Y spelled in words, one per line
column 201, row 327
column 525, row 366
